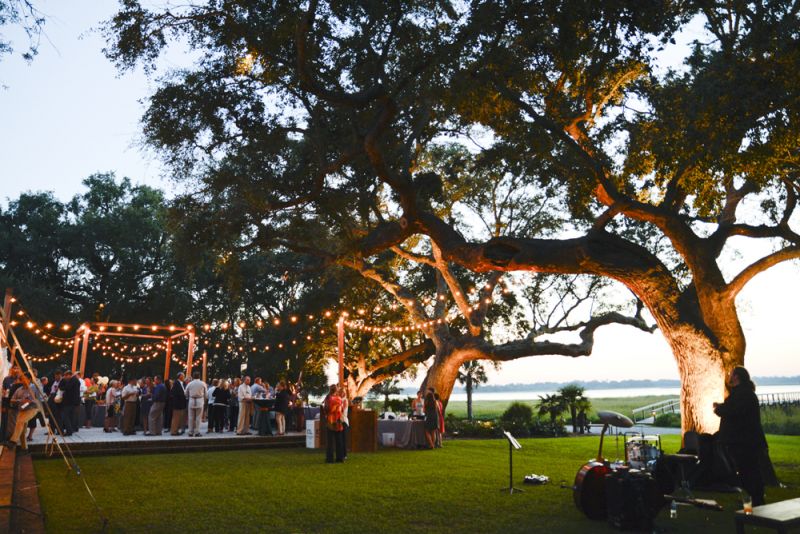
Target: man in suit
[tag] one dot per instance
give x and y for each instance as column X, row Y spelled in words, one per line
column 177, row 396
column 156, row 415
column 70, row 403
column 196, row 393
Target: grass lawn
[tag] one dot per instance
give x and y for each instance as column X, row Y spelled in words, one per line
column 491, row 409
column 454, row 489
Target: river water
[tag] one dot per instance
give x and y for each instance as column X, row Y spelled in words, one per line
column 600, row 393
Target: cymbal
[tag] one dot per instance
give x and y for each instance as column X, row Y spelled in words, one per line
column 614, row 419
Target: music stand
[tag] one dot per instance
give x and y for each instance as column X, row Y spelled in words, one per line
column 512, row 444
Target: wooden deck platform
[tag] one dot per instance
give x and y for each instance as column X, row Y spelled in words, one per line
column 95, row 442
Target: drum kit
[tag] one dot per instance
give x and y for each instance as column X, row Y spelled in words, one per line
column 598, row 480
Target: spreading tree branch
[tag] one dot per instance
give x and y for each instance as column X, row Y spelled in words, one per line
column 740, row 280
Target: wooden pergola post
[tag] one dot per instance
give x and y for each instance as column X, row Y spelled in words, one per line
column 169, row 357
column 84, row 350
column 205, row 366
column 76, row 346
column 7, row 302
column 190, row 355
column 340, row 327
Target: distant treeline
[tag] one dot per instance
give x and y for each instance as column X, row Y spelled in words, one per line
column 611, row 384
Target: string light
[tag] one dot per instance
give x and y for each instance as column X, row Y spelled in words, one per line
column 128, row 351
column 50, row 358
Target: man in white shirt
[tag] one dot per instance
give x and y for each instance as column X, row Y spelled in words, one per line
column 130, row 396
column 196, row 393
column 245, row 407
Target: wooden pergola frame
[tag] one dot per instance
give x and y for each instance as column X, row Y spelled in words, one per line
column 81, row 341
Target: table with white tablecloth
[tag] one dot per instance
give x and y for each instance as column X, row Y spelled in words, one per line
column 408, row 434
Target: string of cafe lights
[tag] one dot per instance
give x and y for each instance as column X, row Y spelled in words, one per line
column 44, row 330
column 51, row 358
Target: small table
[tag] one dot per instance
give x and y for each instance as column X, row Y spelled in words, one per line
column 98, row 415
column 408, row 434
column 780, row 516
column 263, row 412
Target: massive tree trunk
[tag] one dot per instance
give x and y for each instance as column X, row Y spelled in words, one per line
column 702, row 329
column 707, row 342
column 442, row 374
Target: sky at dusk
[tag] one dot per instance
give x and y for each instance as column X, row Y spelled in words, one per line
column 69, row 114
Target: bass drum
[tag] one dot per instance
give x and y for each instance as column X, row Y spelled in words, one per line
column 589, row 490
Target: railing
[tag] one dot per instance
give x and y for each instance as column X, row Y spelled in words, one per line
column 674, row 405
column 656, row 409
column 780, row 399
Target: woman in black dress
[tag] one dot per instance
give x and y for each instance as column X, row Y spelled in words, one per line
column 431, row 418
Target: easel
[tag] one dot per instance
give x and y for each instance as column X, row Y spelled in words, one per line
column 6, row 336
column 512, row 444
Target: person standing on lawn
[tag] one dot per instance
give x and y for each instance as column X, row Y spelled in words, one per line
column 257, row 391
column 245, row 397
column 5, row 424
column 130, row 398
column 219, row 405
column 418, row 406
column 155, row 423
column 55, row 408
column 23, row 401
column 345, row 419
column 281, row 407
column 210, row 403
column 196, row 393
column 740, row 431
column 177, row 396
column 70, row 403
column 110, row 423
column 440, row 414
column 37, row 386
column 233, row 411
column 146, row 403
column 431, row 418
column 332, row 416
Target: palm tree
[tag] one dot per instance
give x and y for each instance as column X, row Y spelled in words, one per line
column 471, row 374
column 572, row 393
column 551, row 405
column 386, row 388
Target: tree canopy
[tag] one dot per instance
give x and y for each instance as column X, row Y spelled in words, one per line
column 108, row 255
column 359, row 133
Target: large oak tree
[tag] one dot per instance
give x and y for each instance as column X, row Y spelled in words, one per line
column 308, row 125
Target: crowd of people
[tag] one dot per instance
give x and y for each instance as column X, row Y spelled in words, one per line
column 178, row 406
column 151, row 404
